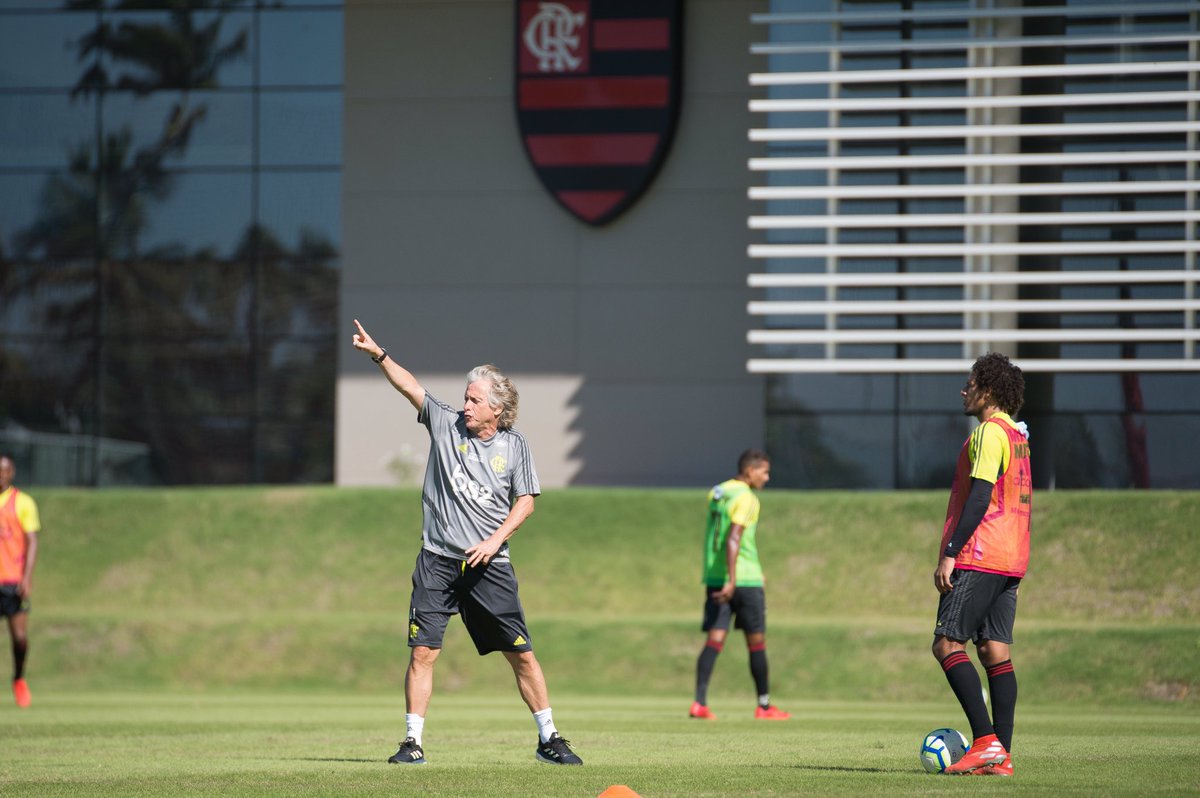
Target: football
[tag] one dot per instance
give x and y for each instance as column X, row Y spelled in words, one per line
column 942, row 748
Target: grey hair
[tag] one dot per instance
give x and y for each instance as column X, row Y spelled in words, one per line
column 502, row 396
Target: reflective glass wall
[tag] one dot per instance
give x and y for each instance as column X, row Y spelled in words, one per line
column 170, row 180
column 1089, row 430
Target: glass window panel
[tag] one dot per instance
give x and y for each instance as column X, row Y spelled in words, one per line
column 297, row 300
column 56, row 203
column 831, row 392
column 300, row 128
column 1171, row 393
column 1173, row 466
column 52, row 301
column 38, row 50
column 301, row 48
column 220, row 136
column 831, row 451
column 179, row 301
column 927, row 449
column 293, row 203
column 49, row 387
column 144, row 30
column 297, row 379
column 208, row 382
column 189, row 449
column 201, row 213
column 42, row 130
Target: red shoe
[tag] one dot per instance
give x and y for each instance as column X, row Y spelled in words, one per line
column 770, row 713
column 21, row 693
column 701, row 711
column 984, row 752
column 1005, row 768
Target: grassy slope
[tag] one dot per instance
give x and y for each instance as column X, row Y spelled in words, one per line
column 264, row 588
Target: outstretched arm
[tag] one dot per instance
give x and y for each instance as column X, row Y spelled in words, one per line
column 400, row 377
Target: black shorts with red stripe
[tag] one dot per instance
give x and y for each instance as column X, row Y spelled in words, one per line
column 747, row 609
column 980, row 606
column 11, row 600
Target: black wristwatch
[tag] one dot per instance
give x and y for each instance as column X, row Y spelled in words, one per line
column 382, row 355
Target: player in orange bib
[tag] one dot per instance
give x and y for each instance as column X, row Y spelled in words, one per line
column 983, row 556
column 19, row 527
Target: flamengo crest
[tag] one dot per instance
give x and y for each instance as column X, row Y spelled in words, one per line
column 597, row 94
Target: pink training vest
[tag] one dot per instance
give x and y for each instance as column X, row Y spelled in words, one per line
column 1000, row 544
column 13, row 542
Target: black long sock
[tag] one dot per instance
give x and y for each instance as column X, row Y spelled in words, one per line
column 964, row 681
column 704, row 669
column 1002, row 682
column 758, row 669
column 20, row 648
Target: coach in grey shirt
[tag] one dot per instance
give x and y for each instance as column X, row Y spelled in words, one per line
column 480, row 485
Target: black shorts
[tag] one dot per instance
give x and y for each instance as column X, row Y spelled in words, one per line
column 982, row 606
column 748, row 608
column 11, row 601
column 485, row 596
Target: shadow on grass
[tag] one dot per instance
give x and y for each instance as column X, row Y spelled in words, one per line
column 843, row 769
column 334, row 759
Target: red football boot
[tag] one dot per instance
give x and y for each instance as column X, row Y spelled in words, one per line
column 984, row 752
column 770, row 713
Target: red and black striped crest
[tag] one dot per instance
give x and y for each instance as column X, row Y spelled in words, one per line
column 597, row 93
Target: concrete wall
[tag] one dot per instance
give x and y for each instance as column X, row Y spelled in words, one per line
column 627, row 342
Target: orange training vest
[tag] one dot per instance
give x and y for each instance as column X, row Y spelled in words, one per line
column 1000, row 544
column 12, row 542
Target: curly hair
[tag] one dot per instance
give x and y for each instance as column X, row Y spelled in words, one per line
column 502, row 396
column 1001, row 380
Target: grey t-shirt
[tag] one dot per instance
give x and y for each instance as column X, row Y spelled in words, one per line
column 470, row 484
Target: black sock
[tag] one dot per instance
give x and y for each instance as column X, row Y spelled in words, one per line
column 19, row 649
column 1003, row 685
column 704, row 669
column 758, row 668
column 964, row 681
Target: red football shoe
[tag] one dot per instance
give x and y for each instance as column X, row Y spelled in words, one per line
column 984, row 752
column 21, row 693
column 1005, row 768
column 701, row 711
column 770, row 713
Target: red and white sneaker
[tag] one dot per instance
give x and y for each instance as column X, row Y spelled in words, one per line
column 21, row 693
column 984, row 752
column 770, row 713
column 1005, row 768
column 701, row 711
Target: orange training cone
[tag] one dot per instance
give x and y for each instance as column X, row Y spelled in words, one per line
column 618, row 791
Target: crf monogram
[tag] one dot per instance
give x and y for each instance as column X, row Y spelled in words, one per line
column 550, row 37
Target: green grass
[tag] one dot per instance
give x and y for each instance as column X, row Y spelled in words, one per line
column 250, row 641
column 256, row 588
column 288, row 743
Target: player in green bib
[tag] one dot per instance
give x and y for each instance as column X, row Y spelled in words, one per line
column 733, row 581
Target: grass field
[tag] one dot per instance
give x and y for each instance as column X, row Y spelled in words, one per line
column 287, row 743
column 249, row 641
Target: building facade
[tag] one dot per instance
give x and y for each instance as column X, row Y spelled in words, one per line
column 935, row 180
column 860, row 197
